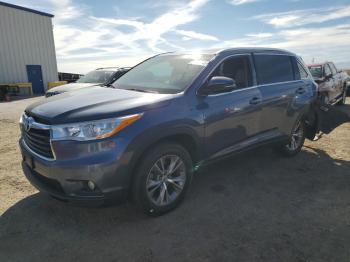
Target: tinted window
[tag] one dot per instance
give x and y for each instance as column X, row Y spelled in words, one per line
column 302, row 71
column 237, row 68
column 97, row 76
column 273, row 68
column 316, row 71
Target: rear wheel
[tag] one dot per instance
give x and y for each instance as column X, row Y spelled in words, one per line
column 162, row 179
column 296, row 140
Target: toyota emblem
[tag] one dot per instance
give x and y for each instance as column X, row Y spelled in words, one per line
column 28, row 123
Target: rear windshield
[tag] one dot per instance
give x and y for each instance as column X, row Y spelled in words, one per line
column 164, row 74
column 316, row 71
column 97, row 76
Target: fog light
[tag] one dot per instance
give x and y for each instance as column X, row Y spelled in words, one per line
column 91, row 185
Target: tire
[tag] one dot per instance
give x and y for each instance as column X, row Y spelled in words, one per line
column 296, row 141
column 155, row 189
column 343, row 100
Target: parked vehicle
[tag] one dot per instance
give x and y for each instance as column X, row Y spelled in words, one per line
column 100, row 76
column 332, row 83
column 68, row 77
column 162, row 120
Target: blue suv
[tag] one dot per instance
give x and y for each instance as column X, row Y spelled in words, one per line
column 144, row 136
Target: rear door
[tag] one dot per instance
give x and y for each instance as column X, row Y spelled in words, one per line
column 280, row 90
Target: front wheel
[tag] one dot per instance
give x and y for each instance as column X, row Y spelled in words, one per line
column 296, row 140
column 162, row 179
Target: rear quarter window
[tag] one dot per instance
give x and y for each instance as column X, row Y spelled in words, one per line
column 302, row 71
column 273, row 68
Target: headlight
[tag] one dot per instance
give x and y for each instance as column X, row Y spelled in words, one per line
column 92, row 130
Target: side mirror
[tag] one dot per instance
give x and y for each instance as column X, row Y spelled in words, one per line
column 329, row 76
column 218, row 85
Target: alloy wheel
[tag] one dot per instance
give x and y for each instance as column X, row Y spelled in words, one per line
column 166, row 180
column 296, row 137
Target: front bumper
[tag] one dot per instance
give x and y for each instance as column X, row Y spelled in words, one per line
column 67, row 180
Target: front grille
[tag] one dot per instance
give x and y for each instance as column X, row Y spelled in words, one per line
column 38, row 140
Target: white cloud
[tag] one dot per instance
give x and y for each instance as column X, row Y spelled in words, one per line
column 242, row 2
column 188, row 35
column 260, row 35
column 283, row 20
column 84, row 41
column 304, row 17
column 325, row 43
column 65, row 10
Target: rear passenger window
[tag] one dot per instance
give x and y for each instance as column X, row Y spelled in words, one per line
column 273, row 68
column 302, row 71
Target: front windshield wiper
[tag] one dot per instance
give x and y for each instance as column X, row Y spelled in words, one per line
column 133, row 89
column 142, row 90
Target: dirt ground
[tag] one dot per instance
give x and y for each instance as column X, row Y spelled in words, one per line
column 257, row 206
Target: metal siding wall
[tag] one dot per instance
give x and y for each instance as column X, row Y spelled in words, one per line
column 26, row 39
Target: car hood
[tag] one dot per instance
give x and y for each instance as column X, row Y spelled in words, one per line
column 93, row 104
column 70, row 87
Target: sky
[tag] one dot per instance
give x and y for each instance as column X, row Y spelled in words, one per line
column 95, row 33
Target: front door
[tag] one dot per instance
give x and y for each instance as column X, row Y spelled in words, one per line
column 231, row 118
column 36, row 78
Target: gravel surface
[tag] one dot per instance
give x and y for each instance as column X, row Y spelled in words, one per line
column 257, row 206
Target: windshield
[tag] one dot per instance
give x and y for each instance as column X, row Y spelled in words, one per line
column 316, row 71
column 167, row 74
column 97, row 76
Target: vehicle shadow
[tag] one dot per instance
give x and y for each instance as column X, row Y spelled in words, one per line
column 256, row 206
column 334, row 117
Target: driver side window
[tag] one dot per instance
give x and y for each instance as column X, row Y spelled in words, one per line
column 238, row 68
column 327, row 70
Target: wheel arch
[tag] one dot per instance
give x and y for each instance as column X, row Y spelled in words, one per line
column 185, row 138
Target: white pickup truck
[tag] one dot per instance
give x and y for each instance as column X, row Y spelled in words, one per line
column 332, row 83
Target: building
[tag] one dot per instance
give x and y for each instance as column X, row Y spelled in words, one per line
column 27, row 48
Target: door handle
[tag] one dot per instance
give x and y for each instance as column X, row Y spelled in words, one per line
column 300, row 90
column 255, row 100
